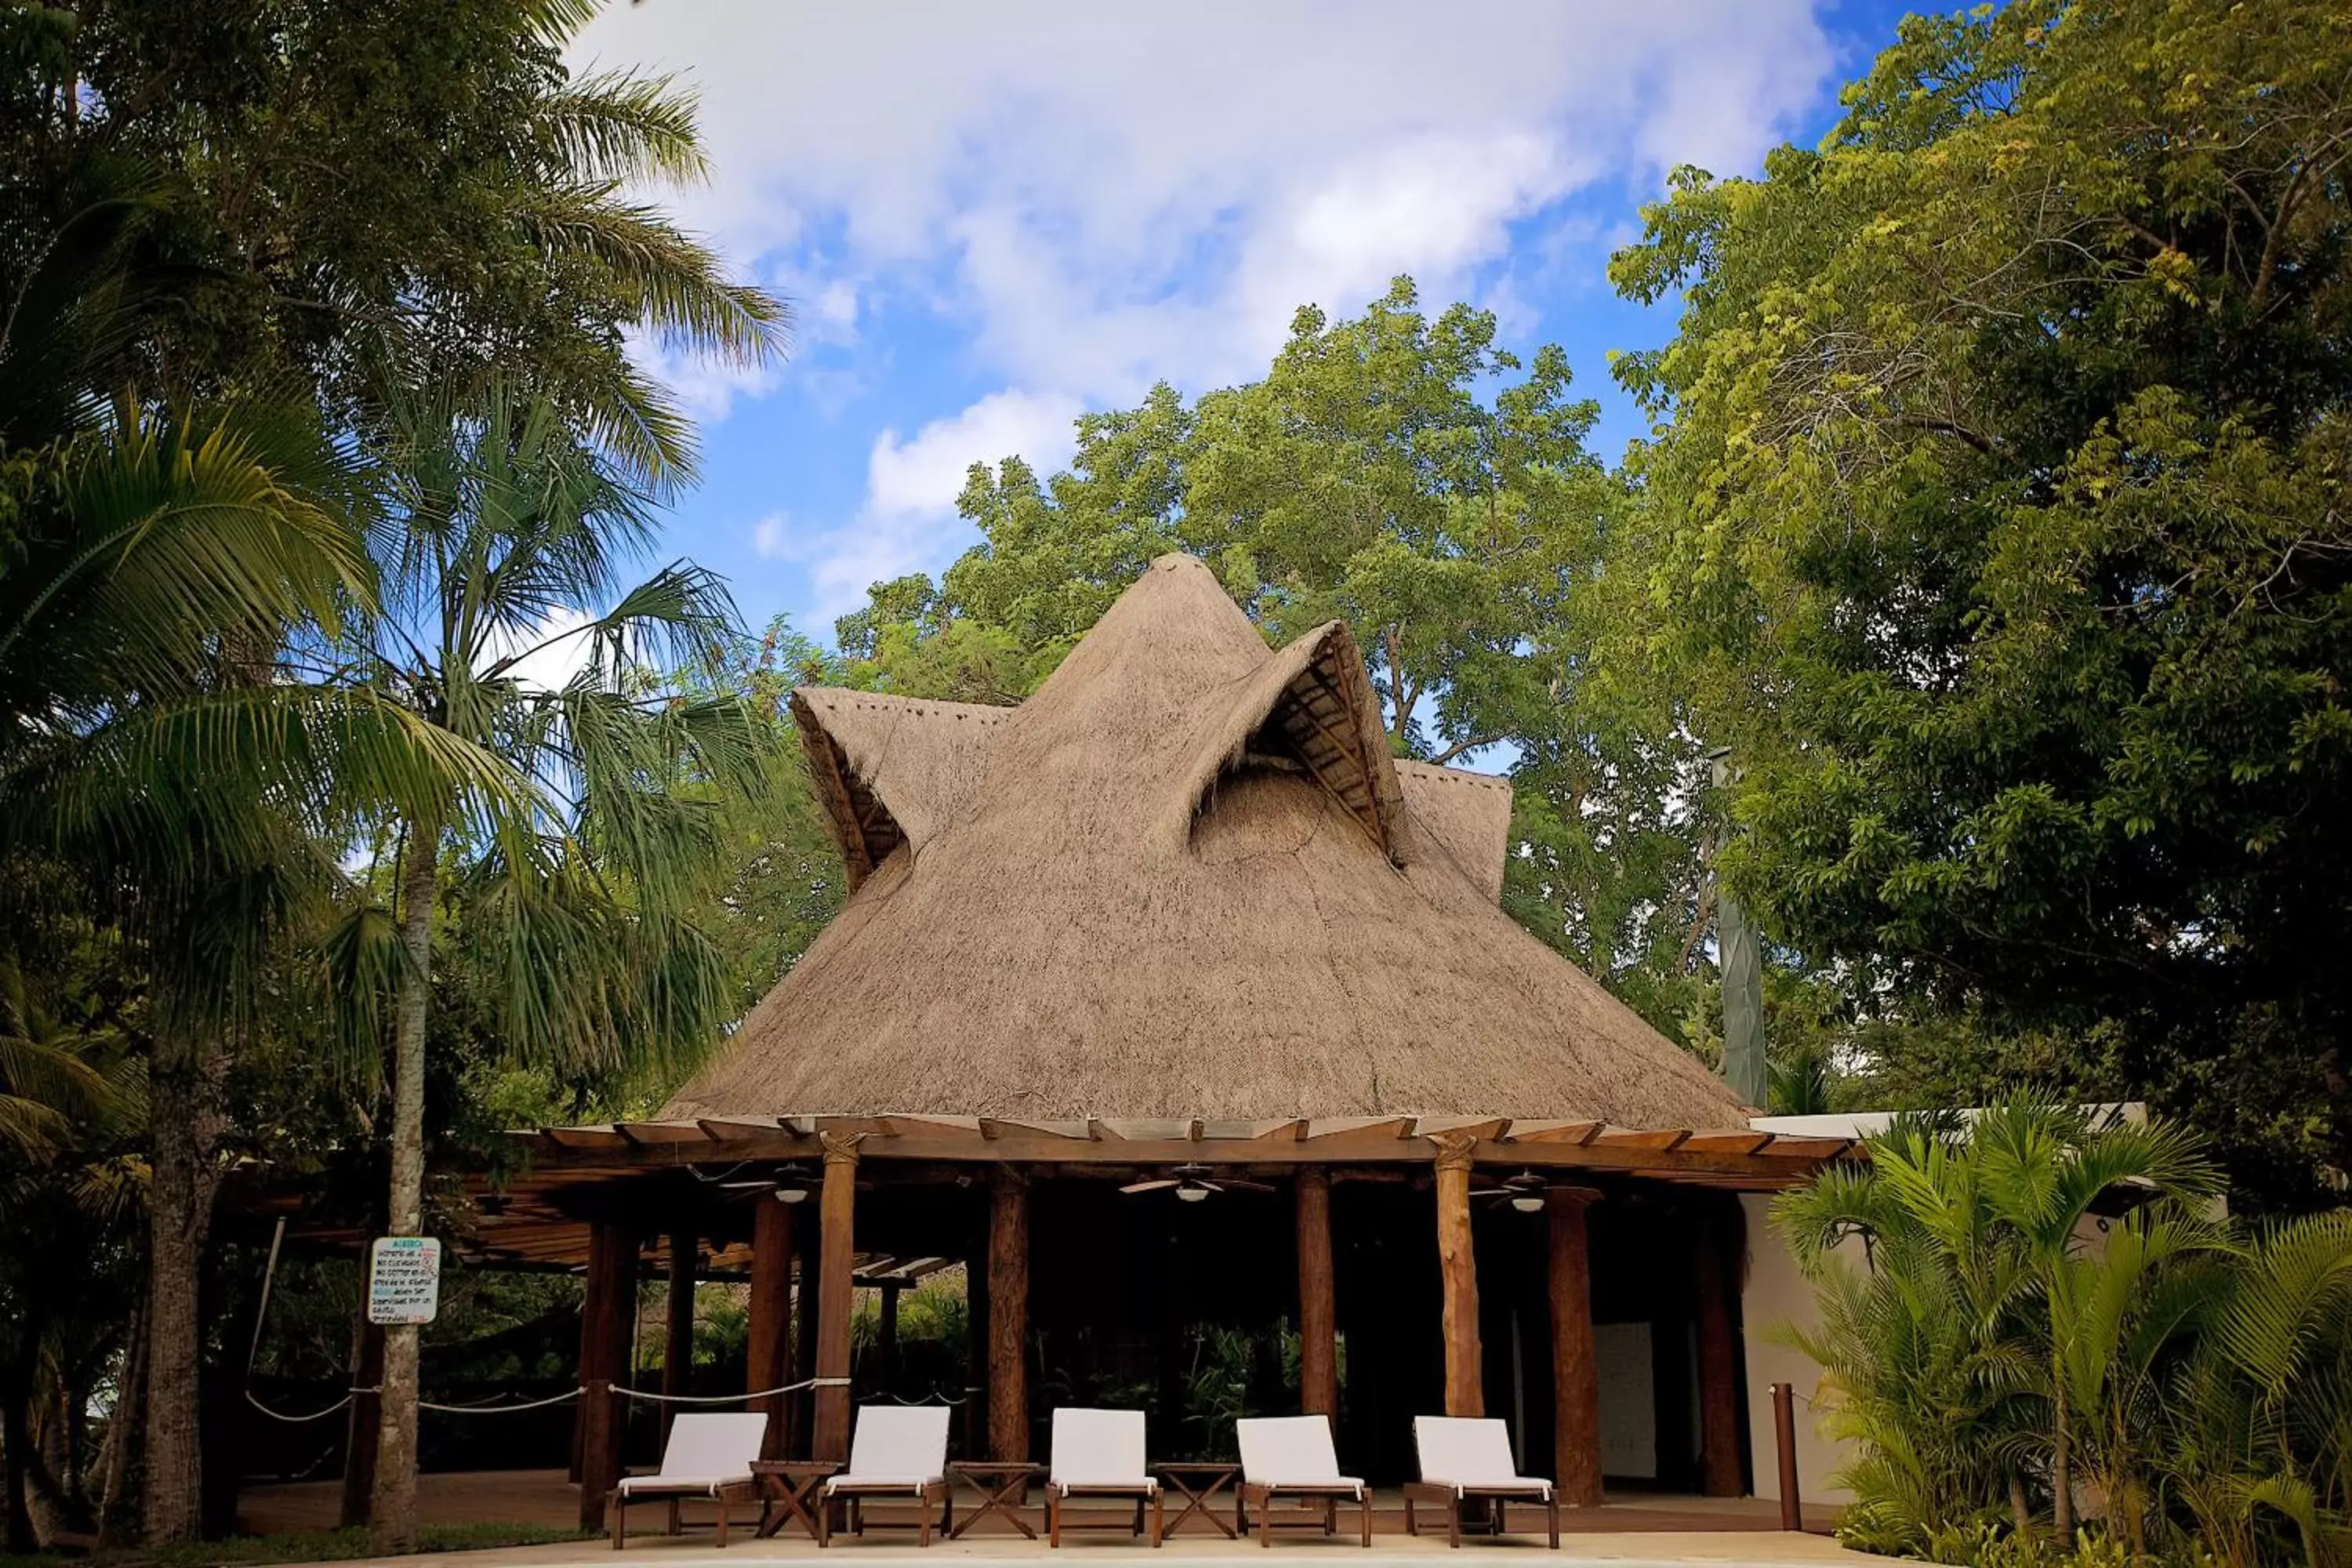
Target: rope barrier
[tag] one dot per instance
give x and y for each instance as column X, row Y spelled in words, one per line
column 501, row 1409
column 297, row 1420
column 647, row 1394
column 933, row 1397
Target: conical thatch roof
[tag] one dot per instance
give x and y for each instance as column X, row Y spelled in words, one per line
column 1184, row 880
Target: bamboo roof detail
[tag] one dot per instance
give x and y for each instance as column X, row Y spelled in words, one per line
column 1184, row 882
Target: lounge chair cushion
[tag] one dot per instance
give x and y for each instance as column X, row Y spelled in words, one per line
column 897, row 1447
column 706, row 1449
column 681, row 1486
column 1292, row 1453
column 1471, row 1455
column 1099, row 1450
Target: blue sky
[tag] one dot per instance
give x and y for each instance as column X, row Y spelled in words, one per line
column 989, row 218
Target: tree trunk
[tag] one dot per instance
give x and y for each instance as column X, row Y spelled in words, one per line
column 2061, row 1481
column 185, row 1077
column 16, row 1456
column 119, row 1461
column 391, row 1517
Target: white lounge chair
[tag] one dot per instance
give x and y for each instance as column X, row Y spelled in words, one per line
column 1463, row 1457
column 898, row 1451
column 1291, row 1457
column 1099, row 1453
column 709, row 1454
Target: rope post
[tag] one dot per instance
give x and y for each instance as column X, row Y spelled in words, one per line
column 1784, row 1438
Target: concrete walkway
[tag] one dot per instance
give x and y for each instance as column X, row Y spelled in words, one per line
column 1630, row 1529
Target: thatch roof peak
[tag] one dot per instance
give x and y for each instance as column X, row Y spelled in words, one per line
column 1185, row 879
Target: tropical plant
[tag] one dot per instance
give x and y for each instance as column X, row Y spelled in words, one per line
column 2034, row 1305
column 578, row 881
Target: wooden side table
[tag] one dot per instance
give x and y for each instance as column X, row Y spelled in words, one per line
column 794, row 1483
column 1000, row 1483
column 1198, row 1483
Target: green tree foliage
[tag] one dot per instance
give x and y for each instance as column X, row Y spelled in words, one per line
column 1990, row 1343
column 1407, row 475
column 1999, row 526
column 420, row 185
column 231, row 238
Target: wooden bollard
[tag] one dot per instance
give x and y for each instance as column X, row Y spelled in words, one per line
column 1784, row 1436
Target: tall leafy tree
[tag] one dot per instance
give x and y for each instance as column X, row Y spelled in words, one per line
column 1408, row 474
column 1999, row 525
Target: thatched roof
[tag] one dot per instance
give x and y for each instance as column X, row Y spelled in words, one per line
column 1183, row 879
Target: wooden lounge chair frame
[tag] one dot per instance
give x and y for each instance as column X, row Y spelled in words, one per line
column 697, row 1439
column 1109, row 1442
column 1474, row 1448
column 1316, row 1474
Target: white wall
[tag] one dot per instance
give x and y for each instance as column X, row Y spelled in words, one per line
column 1776, row 1293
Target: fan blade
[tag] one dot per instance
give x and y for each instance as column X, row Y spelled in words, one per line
column 763, row 1183
column 1249, row 1186
column 1151, row 1187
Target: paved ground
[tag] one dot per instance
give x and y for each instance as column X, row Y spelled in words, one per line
column 1631, row 1529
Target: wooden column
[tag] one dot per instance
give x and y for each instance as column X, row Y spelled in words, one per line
column 677, row 1338
column 367, row 1422
column 1458, row 1273
column 1318, row 1345
column 836, row 1291
column 768, row 1337
column 1575, row 1373
column 1713, row 1273
column 800, row 1408
column 607, row 1316
column 889, row 1335
column 1008, row 1314
column 975, row 1344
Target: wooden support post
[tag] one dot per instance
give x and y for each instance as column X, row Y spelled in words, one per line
column 1719, row 1361
column 800, row 1408
column 607, row 1317
column 1575, row 1373
column 889, row 1335
column 1318, row 1345
column 836, row 1291
column 768, row 1338
column 678, row 1341
column 975, row 1344
column 367, row 1422
column 1458, row 1272
column 1008, row 1314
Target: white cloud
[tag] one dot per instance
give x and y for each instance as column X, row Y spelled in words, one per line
column 1186, row 176
column 552, row 651
column 768, row 536
column 1097, row 197
column 909, row 522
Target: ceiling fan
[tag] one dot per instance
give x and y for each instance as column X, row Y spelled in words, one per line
column 791, row 1182
column 1524, row 1191
column 1192, row 1184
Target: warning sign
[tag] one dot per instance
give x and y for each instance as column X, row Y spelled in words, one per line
column 403, row 1280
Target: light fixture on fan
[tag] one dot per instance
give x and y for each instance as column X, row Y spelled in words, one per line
column 1190, row 1184
column 789, row 1184
column 1524, row 1191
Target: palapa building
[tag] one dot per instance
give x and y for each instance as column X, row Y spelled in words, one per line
column 1170, row 998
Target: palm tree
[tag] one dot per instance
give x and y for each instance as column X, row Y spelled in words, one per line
column 1993, row 1313
column 579, row 882
column 2043, row 1171
column 2262, row 1416
column 151, row 770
